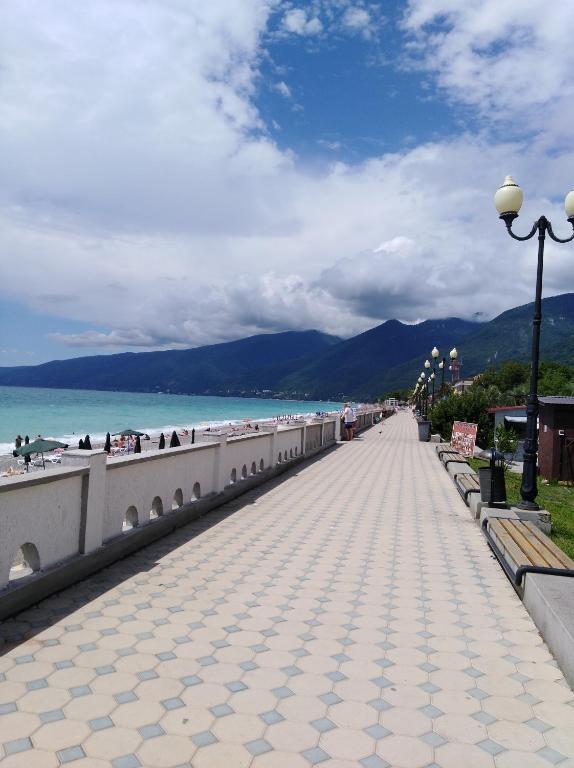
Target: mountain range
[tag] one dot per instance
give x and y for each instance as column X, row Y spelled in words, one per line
column 314, row 365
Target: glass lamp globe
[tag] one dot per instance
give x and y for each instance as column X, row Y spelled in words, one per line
column 508, row 198
column 569, row 204
column 441, row 364
column 427, row 363
column 453, row 353
column 423, row 375
column 432, row 377
column 435, row 353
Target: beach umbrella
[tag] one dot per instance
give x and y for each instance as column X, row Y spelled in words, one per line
column 81, row 444
column 192, row 436
column 129, row 433
column 87, row 443
column 161, row 445
column 137, row 446
column 26, row 440
column 174, row 442
column 39, row 446
column 108, row 443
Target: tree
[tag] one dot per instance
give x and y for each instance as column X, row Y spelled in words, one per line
column 471, row 406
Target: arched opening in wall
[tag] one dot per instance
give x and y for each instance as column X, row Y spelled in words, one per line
column 291, row 453
column 177, row 499
column 279, row 459
column 285, row 456
column 26, row 562
column 296, row 451
column 156, row 508
column 261, row 465
column 253, row 468
column 244, row 472
column 196, row 492
column 130, row 519
column 233, row 476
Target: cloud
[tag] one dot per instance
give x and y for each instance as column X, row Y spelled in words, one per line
column 357, row 19
column 513, row 61
column 297, row 21
column 282, row 88
column 142, row 192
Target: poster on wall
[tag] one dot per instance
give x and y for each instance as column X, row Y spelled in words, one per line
column 463, row 437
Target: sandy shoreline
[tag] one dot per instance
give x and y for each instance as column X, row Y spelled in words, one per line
column 245, row 426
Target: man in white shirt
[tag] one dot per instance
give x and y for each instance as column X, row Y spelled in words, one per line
column 349, row 420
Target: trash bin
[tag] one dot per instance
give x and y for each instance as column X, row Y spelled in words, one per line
column 424, row 431
column 491, row 478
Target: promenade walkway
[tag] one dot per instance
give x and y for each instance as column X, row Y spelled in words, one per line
column 350, row 615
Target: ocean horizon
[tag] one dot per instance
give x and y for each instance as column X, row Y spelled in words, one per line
column 68, row 414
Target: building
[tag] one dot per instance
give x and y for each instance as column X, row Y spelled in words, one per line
column 511, row 417
column 556, row 438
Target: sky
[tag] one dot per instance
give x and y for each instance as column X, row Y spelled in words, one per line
column 176, row 173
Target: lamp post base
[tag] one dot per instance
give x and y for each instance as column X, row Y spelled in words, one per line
column 531, row 506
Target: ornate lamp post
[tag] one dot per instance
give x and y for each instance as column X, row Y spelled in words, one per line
column 435, row 355
column 508, row 201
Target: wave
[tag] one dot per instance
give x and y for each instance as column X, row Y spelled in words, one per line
column 98, row 438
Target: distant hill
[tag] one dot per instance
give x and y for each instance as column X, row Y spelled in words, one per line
column 506, row 337
column 312, row 364
column 357, row 367
column 255, row 363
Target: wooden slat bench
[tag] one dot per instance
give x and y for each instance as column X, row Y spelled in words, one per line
column 467, row 483
column 452, row 457
column 522, row 548
column 442, row 447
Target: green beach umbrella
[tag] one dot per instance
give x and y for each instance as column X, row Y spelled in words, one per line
column 108, row 443
column 81, row 445
column 39, row 446
column 87, row 443
column 161, row 444
column 137, row 446
column 174, row 442
column 129, row 433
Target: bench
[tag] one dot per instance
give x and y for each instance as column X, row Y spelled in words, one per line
column 441, row 447
column 452, row 457
column 467, row 483
column 522, row 548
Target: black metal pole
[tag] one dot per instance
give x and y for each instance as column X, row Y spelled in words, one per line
column 432, row 399
column 442, row 379
column 528, row 487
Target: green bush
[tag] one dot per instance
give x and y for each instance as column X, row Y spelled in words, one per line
column 506, row 439
column 471, row 407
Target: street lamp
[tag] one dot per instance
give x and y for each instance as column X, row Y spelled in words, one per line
column 508, row 201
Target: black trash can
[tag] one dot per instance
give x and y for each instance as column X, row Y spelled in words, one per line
column 491, row 480
column 424, row 431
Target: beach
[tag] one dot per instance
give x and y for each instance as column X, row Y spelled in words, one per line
column 9, row 465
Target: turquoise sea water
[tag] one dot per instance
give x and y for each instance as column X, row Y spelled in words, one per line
column 68, row 414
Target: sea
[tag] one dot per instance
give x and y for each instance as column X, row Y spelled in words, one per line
column 68, row 414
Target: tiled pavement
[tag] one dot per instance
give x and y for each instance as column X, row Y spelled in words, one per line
column 350, row 615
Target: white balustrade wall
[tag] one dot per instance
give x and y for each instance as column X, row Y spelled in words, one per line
column 49, row 518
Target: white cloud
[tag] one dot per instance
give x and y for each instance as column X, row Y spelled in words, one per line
column 142, row 193
column 357, row 19
column 297, row 21
column 282, row 88
column 512, row 60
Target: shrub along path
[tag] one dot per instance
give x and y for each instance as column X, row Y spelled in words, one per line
column 350, row 615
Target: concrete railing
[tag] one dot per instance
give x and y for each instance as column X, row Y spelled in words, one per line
column 93, row 502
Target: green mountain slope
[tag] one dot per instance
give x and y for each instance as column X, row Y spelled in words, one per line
column 257, row 362
column 356, row 367
column 506, row 337
column 313, row 365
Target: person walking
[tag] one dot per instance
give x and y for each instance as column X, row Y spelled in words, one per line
column 18, row 441
column 349, row 420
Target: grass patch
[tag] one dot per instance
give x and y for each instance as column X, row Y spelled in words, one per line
column 557, row 499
